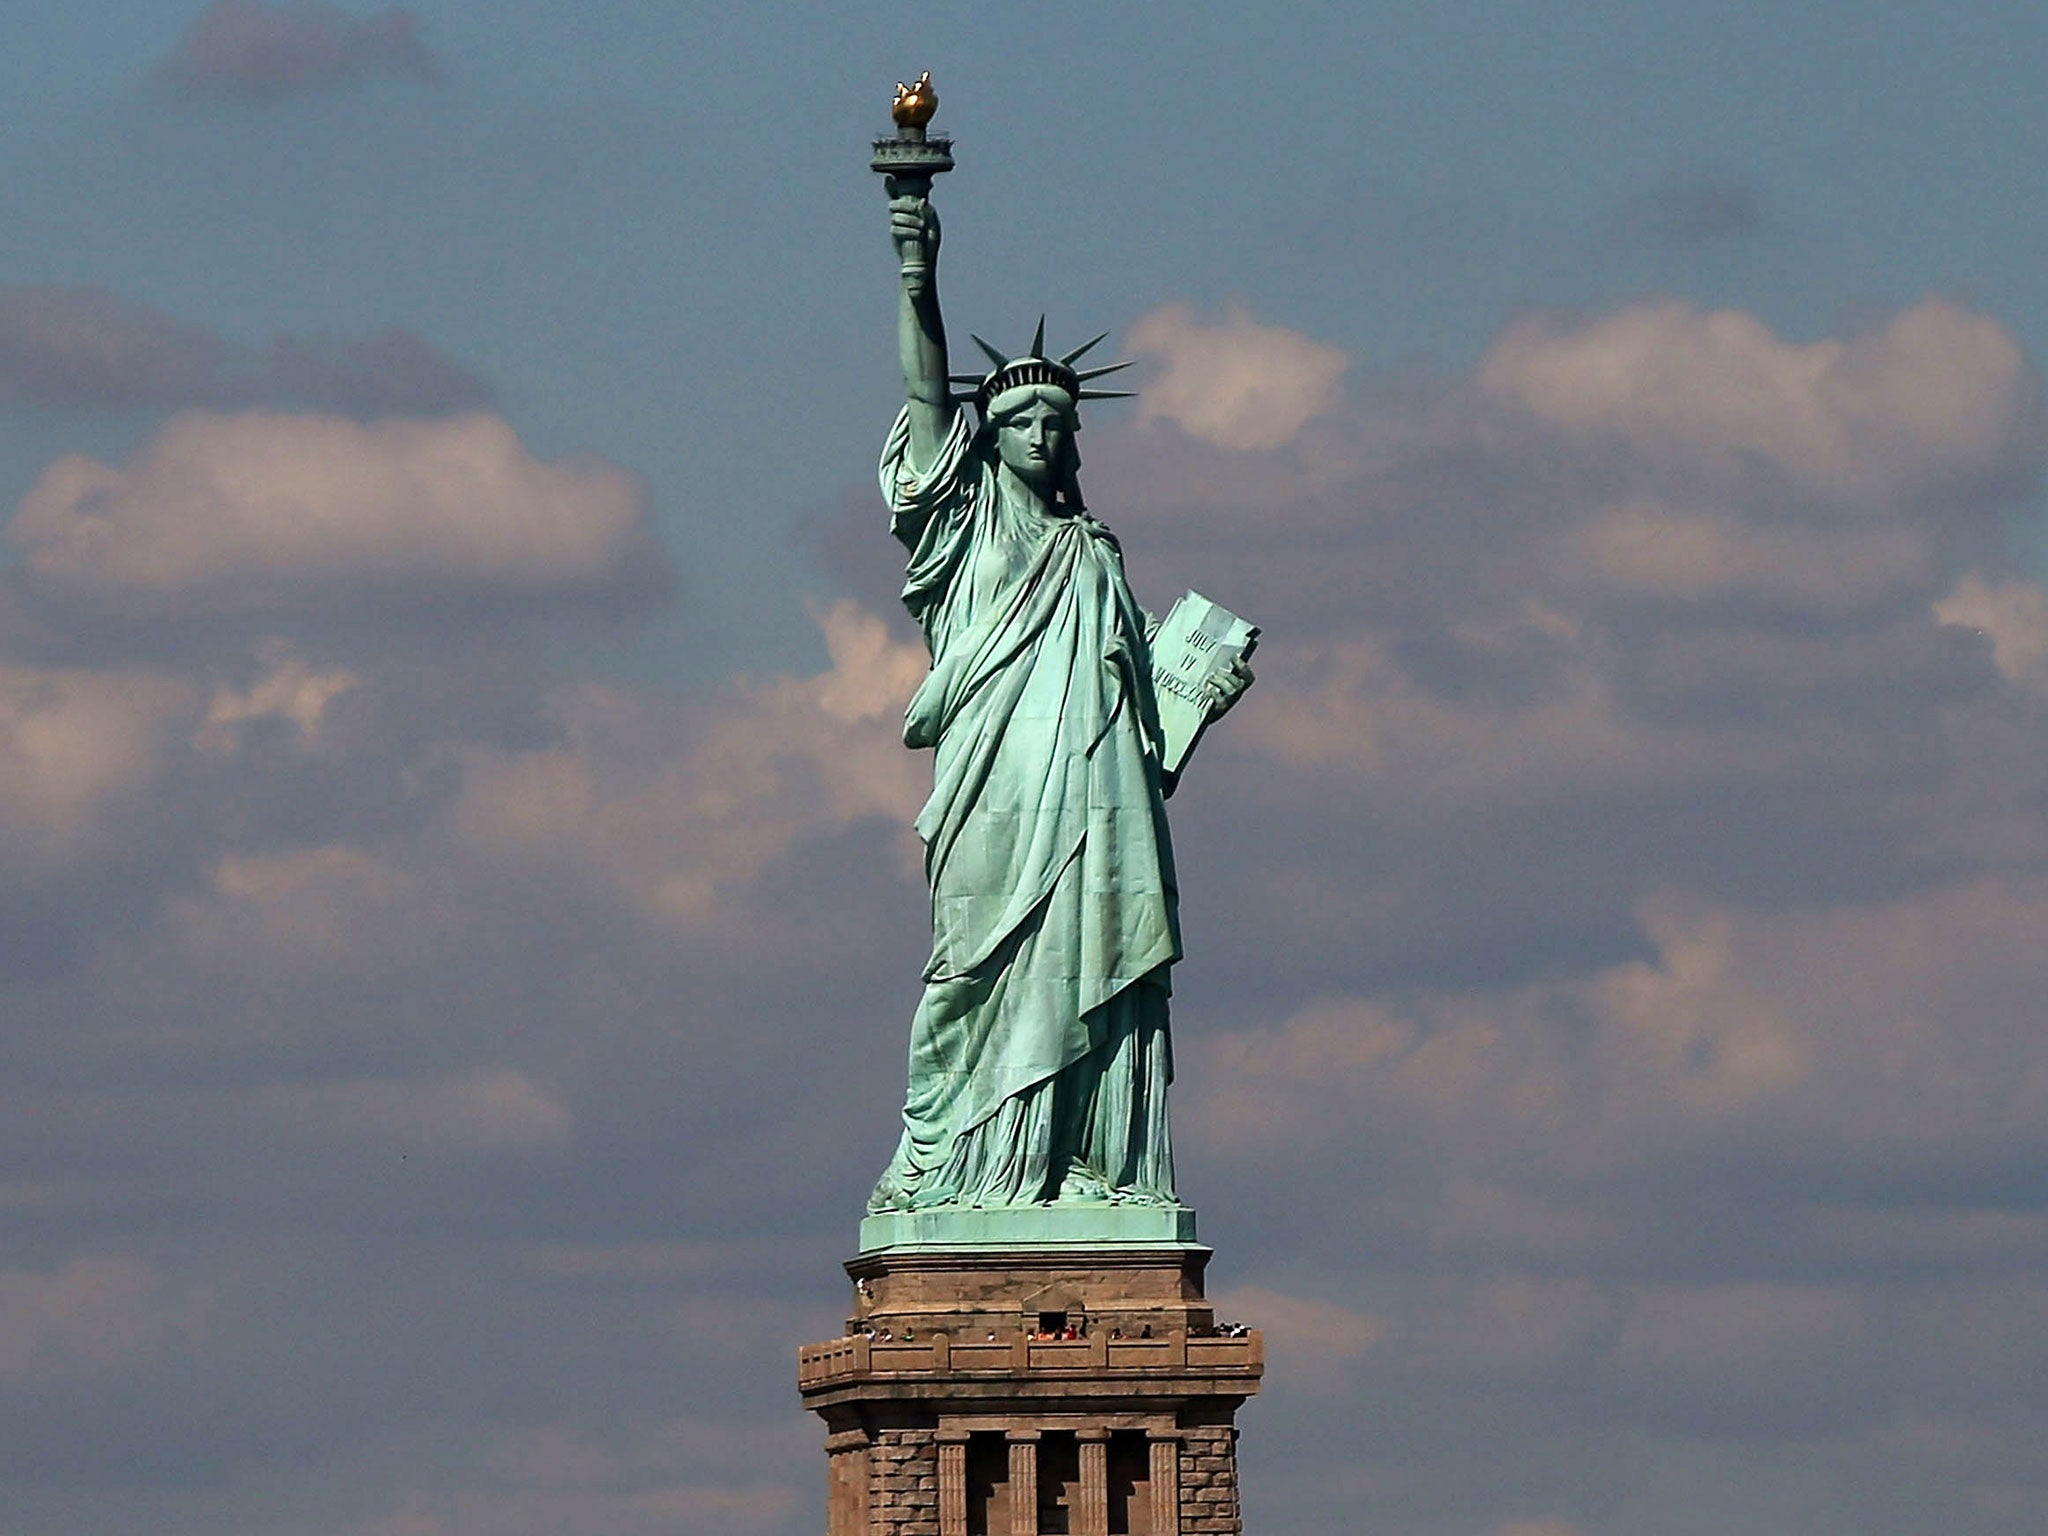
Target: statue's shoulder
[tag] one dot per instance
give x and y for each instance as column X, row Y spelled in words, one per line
column 1099, row 530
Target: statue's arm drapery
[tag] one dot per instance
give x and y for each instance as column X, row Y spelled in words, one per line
column 920, row 328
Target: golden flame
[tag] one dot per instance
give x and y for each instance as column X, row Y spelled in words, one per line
column 914, row 104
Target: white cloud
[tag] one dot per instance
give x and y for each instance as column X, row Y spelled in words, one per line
column 262, row 509
column 1941, row 394
column 73, row 739
column 1239, row 384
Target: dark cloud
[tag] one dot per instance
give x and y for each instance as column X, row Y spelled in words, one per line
column 389, row 373
column 257, row 51
column 86, row 349
column 1699, row 210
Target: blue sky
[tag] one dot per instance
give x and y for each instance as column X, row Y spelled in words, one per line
column 459, row 922
column 643, row 224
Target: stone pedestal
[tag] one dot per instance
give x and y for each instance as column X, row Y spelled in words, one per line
column 958, row 1404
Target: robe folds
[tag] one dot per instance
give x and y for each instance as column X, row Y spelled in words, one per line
column 1039, row 1055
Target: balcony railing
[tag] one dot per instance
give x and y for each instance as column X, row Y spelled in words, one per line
column 860, row 1355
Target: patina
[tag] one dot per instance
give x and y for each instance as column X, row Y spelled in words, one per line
column 1039, row 1056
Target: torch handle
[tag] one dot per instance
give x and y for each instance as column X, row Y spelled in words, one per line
column 910, row 184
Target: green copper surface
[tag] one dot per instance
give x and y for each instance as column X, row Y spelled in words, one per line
column 1029, row 1226
column 1039, row 1053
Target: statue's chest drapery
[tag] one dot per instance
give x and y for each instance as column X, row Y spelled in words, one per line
column 1004, row 547
column 1016, row 559
column 1045, row 835
column 1037, row 646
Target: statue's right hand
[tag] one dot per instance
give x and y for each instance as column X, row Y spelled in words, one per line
column 914, row 226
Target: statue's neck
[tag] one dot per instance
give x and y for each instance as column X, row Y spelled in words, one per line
column 1024, row 496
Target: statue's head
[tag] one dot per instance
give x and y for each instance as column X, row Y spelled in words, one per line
column 1033, row 427
column 1030, row 413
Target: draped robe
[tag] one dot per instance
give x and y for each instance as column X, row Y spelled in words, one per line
column 1039, row 1055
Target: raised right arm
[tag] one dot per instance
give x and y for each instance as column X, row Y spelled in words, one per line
column 920, row 331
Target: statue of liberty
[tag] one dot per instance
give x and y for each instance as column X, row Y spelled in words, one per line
column 1039, row 1053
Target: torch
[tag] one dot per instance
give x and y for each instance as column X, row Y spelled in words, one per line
column 912, row 157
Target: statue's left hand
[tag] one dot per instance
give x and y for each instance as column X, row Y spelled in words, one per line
column 1226, row 688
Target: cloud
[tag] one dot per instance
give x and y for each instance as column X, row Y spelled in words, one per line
column 289, row 691
column 302, row 910
column 1239, row 384
column 258, row 51
column 90, row 1316
column 1804, row 1011
column 738, row 1506
column 2013, row 615
column 1734, row 1331
column 390, row 372
column 261, row 510
column 1941, row 398
column 74, row 348
column 488, row 1108
column 75, row 740
column 1609, row 1037
column 1315, row 1342
column 1695, row 211
column 1603, row 664
column 1646, row 548
column 799, row 755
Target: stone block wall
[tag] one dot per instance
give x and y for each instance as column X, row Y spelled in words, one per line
column 903, row 1489
column 1208, row 1481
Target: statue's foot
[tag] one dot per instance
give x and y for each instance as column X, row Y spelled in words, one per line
column 888, row 1197
column 1084, row 1186
column 1144, row 1197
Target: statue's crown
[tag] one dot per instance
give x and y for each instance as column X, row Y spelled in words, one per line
column 1035, row 368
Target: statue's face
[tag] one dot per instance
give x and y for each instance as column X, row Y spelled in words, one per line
column 1031, row 438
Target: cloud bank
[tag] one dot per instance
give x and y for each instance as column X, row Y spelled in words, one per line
column 71, row 348
column 262, row 510
column 1608, row 1053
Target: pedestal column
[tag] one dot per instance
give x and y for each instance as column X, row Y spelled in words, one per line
column 952, row 1485
column 1091, row 1511
column 1023, row 1482
column 1165, row 1485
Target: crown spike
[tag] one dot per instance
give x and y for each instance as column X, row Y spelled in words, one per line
column 1082, row 350
column 994, row 356
column 1108, row 394
column 1038, row 339
column 1095, row 373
